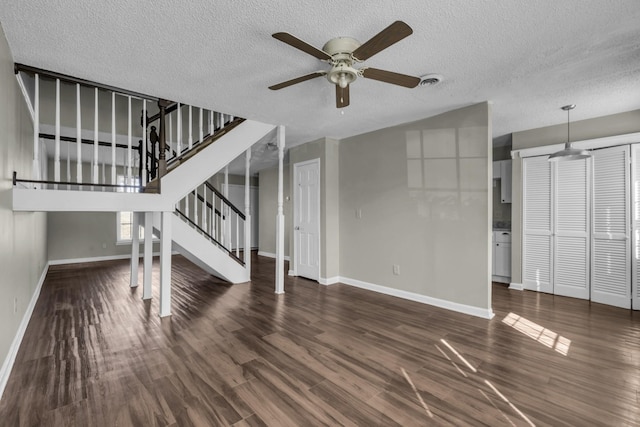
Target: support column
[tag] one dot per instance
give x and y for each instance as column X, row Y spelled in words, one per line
column 247, row 212
column 36, row 130
column 280, row 217
column 165, row 264
column 135, row 248
column 148, row 255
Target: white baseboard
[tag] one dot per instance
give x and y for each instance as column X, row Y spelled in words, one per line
column 99, row 258
column 7, row 365
column 291, row 273
column 329, row 280
column 272, row 255
column 516, row 286
column 485, row 313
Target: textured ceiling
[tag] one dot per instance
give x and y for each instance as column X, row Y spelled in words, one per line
column 527, row 57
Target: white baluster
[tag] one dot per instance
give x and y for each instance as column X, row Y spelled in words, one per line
column 143, row 150
column 56, row 155
column 247, row 210
column 169, row 136
column 186, row 205
column 201, row 135
column 210, row 122
column 221, row 121
column 214, row 218
column 237, row 235
column 36, row 129
column 179, row 130
column 113, row 138
column 204, row 208
column 129, row 154
column 95, row 140
column 190, row 129
column 78, row 136
column 104, row 177
column 68, row 165
column 195, row 206
column 227, row 211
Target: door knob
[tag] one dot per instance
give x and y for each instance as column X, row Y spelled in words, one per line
column 297, row 228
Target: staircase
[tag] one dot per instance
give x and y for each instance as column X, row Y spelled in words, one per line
column 168, row 171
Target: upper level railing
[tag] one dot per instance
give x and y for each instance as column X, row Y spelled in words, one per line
column 90, row 133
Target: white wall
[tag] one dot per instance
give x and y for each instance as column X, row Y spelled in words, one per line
column 23, row 236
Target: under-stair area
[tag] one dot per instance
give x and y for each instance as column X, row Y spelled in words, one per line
column 104, row 149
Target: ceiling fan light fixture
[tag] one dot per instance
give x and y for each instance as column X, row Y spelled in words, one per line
column 569, row 152
column 342, row 81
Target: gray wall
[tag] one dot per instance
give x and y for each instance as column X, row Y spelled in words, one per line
column 599, row 127
column 268, row 208
column 23, row 244
column 78, row 235
column 423, row 189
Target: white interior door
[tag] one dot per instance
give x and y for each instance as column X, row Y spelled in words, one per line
column 572, row 222
column 306, row 219
column 611, row 257
column 635, row 221
column 537, row 239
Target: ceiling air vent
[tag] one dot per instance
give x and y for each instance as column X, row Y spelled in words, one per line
column 430, row 79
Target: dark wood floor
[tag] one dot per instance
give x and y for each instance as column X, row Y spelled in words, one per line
column 95, row 354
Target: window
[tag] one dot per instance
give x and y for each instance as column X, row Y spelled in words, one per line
column 124, row 220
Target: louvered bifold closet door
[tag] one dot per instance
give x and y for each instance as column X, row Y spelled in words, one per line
column 635, row 200
column 537, row 249
column 571, row 236
column 610, row 254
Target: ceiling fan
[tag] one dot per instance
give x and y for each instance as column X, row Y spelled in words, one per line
column 343, row 52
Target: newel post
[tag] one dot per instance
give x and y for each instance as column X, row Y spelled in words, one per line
column 162, row 158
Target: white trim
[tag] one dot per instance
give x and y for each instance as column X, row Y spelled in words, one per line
column 516, row 286
column 329, row 280
column 7, row 365
column 485, row 313
column 272, row 255
column 291, row 273
column 97, row 259
column 589, row 144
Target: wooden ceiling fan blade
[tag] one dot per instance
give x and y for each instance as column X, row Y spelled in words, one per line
column 297, row 80
column 391, row 77
column 385, row 38
column 302, row 45
column 342, row 96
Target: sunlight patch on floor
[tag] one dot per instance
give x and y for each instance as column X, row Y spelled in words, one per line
column 454, row 351
column 502, row 396
column 415, row 390
column 539, row 333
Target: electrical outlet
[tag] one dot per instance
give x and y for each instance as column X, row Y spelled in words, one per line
column 104, row 245
column 396, row 269
column 15, row 305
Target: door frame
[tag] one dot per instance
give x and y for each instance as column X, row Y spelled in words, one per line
column 295, row 212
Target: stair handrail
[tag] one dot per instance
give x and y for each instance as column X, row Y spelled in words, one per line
column 213, row 239
column 225, row 200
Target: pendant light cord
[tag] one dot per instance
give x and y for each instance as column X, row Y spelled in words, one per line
column 568, row 127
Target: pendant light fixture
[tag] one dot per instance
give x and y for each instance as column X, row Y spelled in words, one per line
column 569, row 153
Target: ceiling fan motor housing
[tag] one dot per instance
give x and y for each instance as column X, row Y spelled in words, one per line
column 342, row 73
